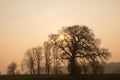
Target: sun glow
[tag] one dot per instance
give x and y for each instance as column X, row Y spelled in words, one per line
column 61, row 37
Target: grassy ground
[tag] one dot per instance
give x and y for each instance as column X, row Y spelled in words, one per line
column 61, row 77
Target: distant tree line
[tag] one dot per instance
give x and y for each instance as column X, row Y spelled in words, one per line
column 74, row 46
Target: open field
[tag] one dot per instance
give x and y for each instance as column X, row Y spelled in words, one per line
column 61, row 77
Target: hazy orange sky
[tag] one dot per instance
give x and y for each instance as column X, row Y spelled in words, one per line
column 27, row 23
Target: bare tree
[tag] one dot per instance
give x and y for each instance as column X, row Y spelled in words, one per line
column 77, row 42
column 11, row 70
column 97, row 66
column 32, row 60
column 38, row 57
column 48, row 60
column 55, row 56
column 22, row 68
column 29, row 61
column 56, row 59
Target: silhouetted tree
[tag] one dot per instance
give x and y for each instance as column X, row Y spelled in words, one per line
column 51, row 56
column 11, row 69
column 25, row 67
column 56, row 59
column 48, row 60
column 77, row 42
column 55, row 50
column 96, row 65
column 32, row 60
column 38, row 56
column 22, row 67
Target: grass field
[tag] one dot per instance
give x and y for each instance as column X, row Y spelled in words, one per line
column 61, row 77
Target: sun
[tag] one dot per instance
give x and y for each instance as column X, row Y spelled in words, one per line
column 61, row 37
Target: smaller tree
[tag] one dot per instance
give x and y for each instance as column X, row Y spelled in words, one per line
column 97, row 67
column 32, row 61
column 37, row 52
column 56, row 59
column 12, row 68
column 47, row 53
column 97, row 62
column 29, row 62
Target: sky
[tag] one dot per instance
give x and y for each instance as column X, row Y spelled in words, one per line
column 27, row 23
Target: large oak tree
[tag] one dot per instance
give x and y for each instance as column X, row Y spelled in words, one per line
column 78, row 43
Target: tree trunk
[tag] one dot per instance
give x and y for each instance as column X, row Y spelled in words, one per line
column 38, row 67
column 94, row 67
column 72, row 65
